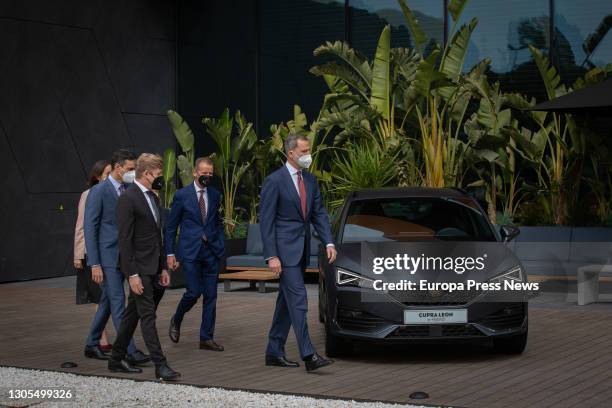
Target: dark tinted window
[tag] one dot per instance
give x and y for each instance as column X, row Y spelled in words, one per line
column 416, row 219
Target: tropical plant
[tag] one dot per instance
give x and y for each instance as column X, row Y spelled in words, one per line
column 362, row 96
column 185, row 138
column 168, row 173
column 492, row 134
column 231, row 159
column 364, row 165
column 440, row 97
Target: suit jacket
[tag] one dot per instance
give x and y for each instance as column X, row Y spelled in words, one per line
column 140, row 237
column 100, row 225
column 185, row 213
column 79, row 234
column 284, row 231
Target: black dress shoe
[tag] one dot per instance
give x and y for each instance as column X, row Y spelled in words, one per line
column 95, row 352
column 280, row 362
column 122, row 366
column 210, row 345
column 165, row 373
column 316, row 361
column 175, row 330
column 137, row 358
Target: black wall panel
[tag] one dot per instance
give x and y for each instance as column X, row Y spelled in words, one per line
column 78, row 79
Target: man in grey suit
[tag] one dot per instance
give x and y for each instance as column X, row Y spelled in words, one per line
column 101, row 236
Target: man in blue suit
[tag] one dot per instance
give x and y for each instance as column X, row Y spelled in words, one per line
column 290, row 202
column 200, row 246
column 101, row 236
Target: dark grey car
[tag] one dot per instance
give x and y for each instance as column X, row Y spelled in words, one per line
column 351, row 310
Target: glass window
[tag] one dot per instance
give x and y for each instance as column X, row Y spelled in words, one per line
column 416, row 219
column 368, row 17
column 583, row 36
column 290, row 31
column 504, row 31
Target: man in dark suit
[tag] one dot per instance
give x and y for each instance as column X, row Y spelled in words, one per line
column 100, row 230
column 290, row 202
column 201, row 245
column 139, row 218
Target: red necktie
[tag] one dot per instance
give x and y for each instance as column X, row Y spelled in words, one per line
column 302, row 193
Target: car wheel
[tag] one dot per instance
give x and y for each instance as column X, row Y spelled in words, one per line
column 511, row 345
column 336, row 346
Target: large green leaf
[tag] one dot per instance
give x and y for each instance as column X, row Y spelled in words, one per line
column 549, row 74
column 342, row 73
column 299, row 122
column 185, row 170
column 520, row 102
column 418, row 35
column 245, row 140
column 350, row 56
column 169, row 164
column 456, row 50
column 181, row 131
column 455, row 8
column 221, row 131
column 380, row 74
column 427, row 77
column 404, row 63
column 168, row 173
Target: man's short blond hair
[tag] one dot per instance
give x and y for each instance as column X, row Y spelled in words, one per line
column 148, row 161
column 205, row 160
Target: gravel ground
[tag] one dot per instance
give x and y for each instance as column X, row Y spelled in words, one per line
column 92, row 391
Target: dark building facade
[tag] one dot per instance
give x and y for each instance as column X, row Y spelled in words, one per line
column 78, row 79
column 82, row 78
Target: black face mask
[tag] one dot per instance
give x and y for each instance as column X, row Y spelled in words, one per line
column 204, row 180
column 158, row 183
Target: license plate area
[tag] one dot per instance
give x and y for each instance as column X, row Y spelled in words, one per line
column 435, row 316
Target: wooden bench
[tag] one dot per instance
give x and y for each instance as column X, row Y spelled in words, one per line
column 253, row 276
column 262, row 268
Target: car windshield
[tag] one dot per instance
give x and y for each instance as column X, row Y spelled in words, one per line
column 416, row 219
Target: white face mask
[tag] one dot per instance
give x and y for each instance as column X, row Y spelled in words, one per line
column 129, row 176
column 304, row 161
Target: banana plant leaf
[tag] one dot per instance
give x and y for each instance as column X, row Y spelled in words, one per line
column 418, row 35
column 380, row 74
column 181, row 131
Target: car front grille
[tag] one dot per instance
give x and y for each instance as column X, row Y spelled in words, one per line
column 505, row 318
column 434, row 298
column 358, row 320
column 442, row 330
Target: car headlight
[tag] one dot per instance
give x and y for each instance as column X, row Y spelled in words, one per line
column 513, row 274
column 346, row 278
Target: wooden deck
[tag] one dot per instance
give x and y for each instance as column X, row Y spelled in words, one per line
column 568, row 361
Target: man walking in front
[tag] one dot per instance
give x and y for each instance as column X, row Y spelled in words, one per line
column 290, row 202
column 139, row 218
column 100, row 230
column 201, row 245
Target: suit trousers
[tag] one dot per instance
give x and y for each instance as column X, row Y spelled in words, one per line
column 112, row 303
column 141, row 307
column 291, row 310
column 201, row 278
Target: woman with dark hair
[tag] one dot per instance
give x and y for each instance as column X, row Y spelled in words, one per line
column 87, row 291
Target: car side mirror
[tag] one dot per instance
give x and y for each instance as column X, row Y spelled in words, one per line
column 508, row 232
